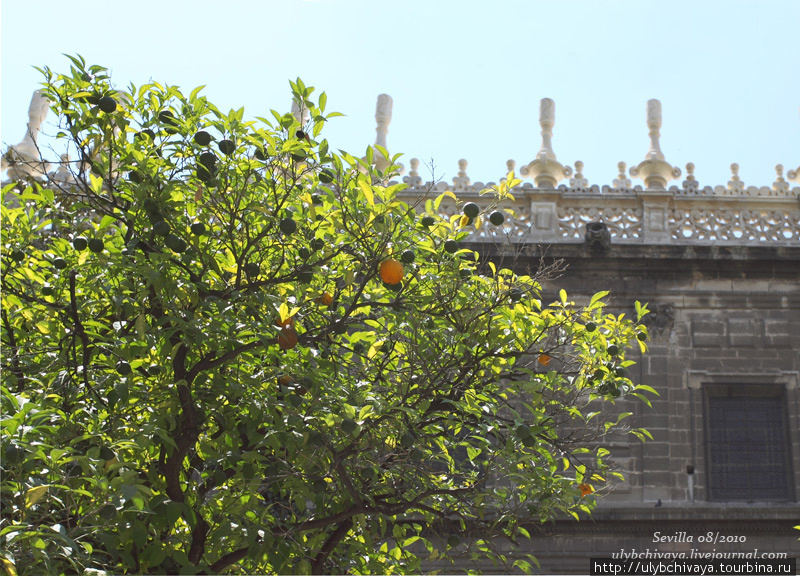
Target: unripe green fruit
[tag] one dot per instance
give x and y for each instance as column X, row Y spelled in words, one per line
column 471, row 210
column 175, row 243
column 207, row 159
column 451, row 246
column 202, row 138
column 497, row 218
column 79, row 243
column 326, row 176
column 107, row 104
column 150, row 205
column 204, row 173
column 162, row 228
column 288, row 226
column 167, row 118
column 407, row 257
column 227, row 147
column 147, row 133
column 96, row 245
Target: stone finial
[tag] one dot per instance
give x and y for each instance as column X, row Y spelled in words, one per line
column 383, row 117
column 413, row 179
column 578, row 181
column 654, row 125
column 545, row 170
column 735, row 184
column 24, row 159
column 622, row 182
column 780, row 185
column 655, row 170
column 547, row 119
column 690, row 183
column 302, row 118
column 462, row 181
column 510, row 167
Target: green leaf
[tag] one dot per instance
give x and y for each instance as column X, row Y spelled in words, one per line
column 8, row 566
column 367, row 190
column 33, row 495
column 597, row 297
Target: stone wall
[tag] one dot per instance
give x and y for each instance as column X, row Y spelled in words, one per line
column 721, row 316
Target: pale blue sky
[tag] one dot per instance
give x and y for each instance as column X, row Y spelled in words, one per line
column 466, row 78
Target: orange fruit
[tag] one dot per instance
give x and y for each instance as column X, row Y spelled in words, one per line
column 586, row 489
column 282, row 323
column 544, row 359
column 284, row 380
column 326, row 299
column 391, row 271
column 287, row 338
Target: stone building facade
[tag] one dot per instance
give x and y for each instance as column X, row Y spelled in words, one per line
column 720, row 269
column 725, row 454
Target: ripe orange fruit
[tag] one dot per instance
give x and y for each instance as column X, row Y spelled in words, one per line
column 284, row 380
column 326, row 299
column 544, row 359
column 586, row 489
column 391, row 271
column 287, row 338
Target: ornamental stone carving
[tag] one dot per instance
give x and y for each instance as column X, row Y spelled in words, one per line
column 24, row 160
column 655, row 170
column 597, row 236
column 545, row 169
column 660, row 320
column 732, row 214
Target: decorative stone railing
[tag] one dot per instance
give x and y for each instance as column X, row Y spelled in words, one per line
column 687, row 215
column 546, row 212
column 622, row 213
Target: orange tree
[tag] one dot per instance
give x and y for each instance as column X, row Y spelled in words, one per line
column 228, row 349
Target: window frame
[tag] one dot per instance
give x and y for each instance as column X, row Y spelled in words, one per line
column 747, row 390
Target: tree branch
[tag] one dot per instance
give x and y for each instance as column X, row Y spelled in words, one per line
column 16, row 369
column 318, row 565
column 229, row 558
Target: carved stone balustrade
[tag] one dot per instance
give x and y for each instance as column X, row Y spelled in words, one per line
column 754, row 216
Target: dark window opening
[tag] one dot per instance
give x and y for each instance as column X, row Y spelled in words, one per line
column 748, row 449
